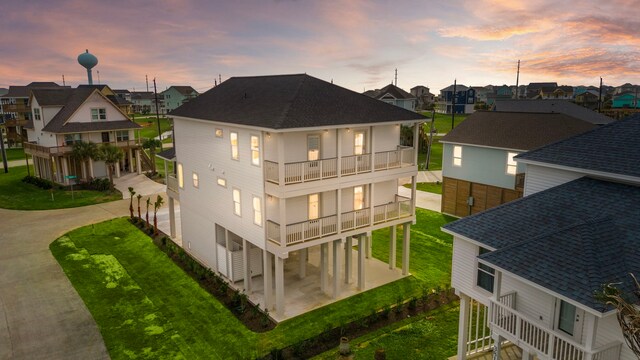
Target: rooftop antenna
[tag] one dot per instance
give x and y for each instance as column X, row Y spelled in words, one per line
column 146, row 79
column 517, row 79
column 600, row 97
column 88, row 61
column 219, row 79
column 63, row 83
column 453, row 104
column 396, row 79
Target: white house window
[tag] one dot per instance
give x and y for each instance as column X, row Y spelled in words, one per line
column 255, row 150
column 236, row 202
column 70, row 139
column 485, row 273
column 180, row 178
column 358, row 143
column 511, row 163
column 234, row 145
column 358, row 198
column 313, row 147
column 98, row 114
column 457, row 155
column 222, row 182
column 122, row 135
column 314, row 206
column 567, row 317
column 36, row 114
column 219, row 133
column 195, row 180
column 257, row 211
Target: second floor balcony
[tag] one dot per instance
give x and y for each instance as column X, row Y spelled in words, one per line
column 314, row 170
column 326, row 226
column 40, row 150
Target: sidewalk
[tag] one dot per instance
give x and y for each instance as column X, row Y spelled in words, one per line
column 140, row 183
column 424, row 200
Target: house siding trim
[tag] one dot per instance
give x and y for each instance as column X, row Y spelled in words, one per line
column 595, row 173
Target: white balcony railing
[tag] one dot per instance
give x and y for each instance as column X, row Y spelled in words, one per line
column 317, row 228
column 393, row 159
column 356, row 164
column 31, row 148
column 520, row 329
column 172, row 183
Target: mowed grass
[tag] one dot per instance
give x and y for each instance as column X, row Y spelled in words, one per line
column 17, row 195
column 435, row 158
column 431, row 336
column 155, row 295
column 150, row 126
column 14, row 154
column 442, row 123
column 435, row 188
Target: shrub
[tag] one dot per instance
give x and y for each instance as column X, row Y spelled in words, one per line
column 399, row 304
column 386, row 310
column 39, row 182
column 413, row 303
column 99, row 184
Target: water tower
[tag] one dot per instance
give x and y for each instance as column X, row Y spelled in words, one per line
column 88, row 61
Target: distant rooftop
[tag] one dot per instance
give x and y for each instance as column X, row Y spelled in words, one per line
column 390, row 89
column 553, row 106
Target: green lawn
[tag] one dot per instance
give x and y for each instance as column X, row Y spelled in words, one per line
column 428, row 187
column 432, row 336
column 435, row 160
column 144, row 304
column 14, row 154
column 150, row 126
column 14, row 194
column 443, row 122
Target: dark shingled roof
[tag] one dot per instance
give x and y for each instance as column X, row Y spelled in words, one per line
column 515, row 130
column 570, row 239
column 390, row 89
column 612, row 148
column 553, row 106
column 459, row 87
column 168, row 154
column 184, row 90
column 24, row 91
column 71, row 100
column 287, row 102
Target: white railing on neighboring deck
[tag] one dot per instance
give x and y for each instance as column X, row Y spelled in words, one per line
column 356, row 219
column 520, row 329
column 393, row 159
column 392, row 211
column 356, row 164
column 172, row 183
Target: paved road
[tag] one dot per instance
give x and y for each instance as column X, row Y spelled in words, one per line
column 41, row 315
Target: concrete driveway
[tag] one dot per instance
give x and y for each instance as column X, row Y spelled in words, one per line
column 41, row 314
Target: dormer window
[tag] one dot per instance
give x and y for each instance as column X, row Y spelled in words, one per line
column 36, row 114
column 98, row 114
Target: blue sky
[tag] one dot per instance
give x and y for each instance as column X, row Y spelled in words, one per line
column 357, row 44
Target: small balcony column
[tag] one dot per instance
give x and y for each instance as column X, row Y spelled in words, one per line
column 91, row 175
column 339, row 207
column 372, row 164
column 362, row 244
column 166, row 170
column 348, row 248
column 463, row 326
column 138, row 162
column 392, row 247
column 281, row 164
column 279, row 286
column 371, row 216
column 246, row 254
column 406, row 236
column 590, row 328
column 267, row 276
column 65, row 170
column 130, row 153
column 303, row 263
column 282, row 208
column 339, row 153
column 324, row 267
column 172, row 218
column 117, row 165
column 337, row 244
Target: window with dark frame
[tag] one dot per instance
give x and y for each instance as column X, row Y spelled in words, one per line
column 485, row 273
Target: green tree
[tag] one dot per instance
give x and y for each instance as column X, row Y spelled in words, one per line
column 111, row 155
column 83, row 151
column 147, row 215
column 156, row 205
column 152, row 145
column 131, row 193
column 627, row 311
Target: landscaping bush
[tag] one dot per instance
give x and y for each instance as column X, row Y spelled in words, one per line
column 39, row 182
column 99, row 184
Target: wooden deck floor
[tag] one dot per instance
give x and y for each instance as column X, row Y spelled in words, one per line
column 509, row 352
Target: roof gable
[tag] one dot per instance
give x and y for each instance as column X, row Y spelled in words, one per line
column 289, row 101
column 515, row 130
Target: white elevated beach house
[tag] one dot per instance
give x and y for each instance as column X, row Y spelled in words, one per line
column 61, row 117
column 269, row 167
column 529, row 269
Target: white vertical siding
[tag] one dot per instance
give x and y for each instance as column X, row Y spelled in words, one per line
column 198, row 230
column 385, row 192
column 539, row 178
column 199, row 150
column 530, row 301
column 609, row 331
column 386, row 137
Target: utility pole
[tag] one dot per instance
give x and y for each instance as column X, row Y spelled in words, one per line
column 453, row 104
column 147, row 80
column 219, row 79
column 155, row 91
column 396, row 78
column 600, row 97
column 517, row 79
column 63, row 83
column 4, row 154
column 433, row 120
column 98, row 71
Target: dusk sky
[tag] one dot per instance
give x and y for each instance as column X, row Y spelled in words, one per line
column 356, row 43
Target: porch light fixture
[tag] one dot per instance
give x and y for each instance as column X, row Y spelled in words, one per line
column 348, row 129
column 268, row 135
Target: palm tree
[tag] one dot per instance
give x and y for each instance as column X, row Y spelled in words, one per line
column 111, row 155
column 139, row 197
column 152, row 145
column 131, row 193
column 156, row 206
column 83, row 151
column 148, row 203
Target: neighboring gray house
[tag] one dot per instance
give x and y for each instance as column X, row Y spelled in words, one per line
column 144, row 102
column 394, row 95
column 529, row 268
column 478, row 166
column 552, row 106
column 175, row 96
